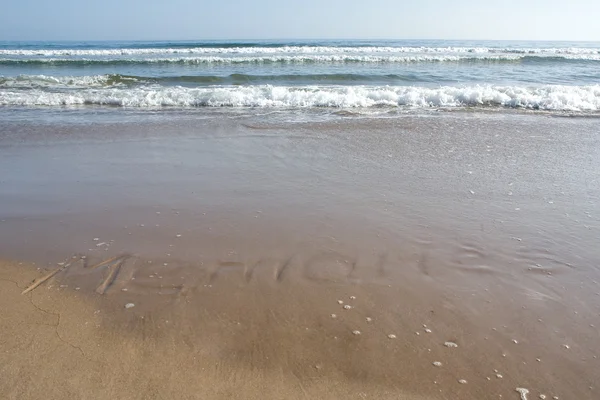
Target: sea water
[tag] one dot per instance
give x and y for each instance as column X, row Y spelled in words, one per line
column 359, row 75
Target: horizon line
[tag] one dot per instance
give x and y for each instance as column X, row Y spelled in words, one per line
column 292, row 39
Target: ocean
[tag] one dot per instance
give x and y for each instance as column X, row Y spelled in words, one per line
column 364, row 76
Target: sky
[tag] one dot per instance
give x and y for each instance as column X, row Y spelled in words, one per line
column 307, row 19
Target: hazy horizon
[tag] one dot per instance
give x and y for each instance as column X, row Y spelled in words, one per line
column 549, row 20
column 296, row 39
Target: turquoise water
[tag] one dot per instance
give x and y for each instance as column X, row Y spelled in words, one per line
column 355, row 74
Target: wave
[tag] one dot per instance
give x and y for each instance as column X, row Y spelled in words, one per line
column 332, row 50
column 46, row 81
column 552, row 98
column 305, row 59
column 72, row 82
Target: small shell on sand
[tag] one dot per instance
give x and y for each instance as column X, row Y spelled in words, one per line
column 352, row 297
column 178, row 235
column 499, row 376
column 566, row 346
column 347, row 307
column 543, row 396
column 515, row 341
column 523, row 392
column 369, row 319
column 462, row 381
column 356, row 333
column 391, row 336
column 129, row 305
column 437, row 363
column 450, row 344
column 340, row 302
column 333, row 316
column 427, row 330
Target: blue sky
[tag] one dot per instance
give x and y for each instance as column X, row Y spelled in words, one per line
column 273, row 19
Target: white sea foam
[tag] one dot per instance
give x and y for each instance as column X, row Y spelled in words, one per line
column 272, row 59
column 46, row 81
column 553, row 98
column 297, row 50
column 300, row 58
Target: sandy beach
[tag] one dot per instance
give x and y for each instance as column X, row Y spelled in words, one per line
column 448, row 256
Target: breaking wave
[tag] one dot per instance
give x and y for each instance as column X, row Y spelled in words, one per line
column 332, row 50
column 552, row 98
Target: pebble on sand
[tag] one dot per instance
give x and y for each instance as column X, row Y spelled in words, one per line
column 347, row 307
column 352, row 297
column 340, row 302
column 427, row 330
column 437, row 363
column 356, row 333
column 129, row 305
column 523, row 392
column 333, row 316
column 450, row 344
column 391, row 336
column 369, row 319
column 178, row 235
column 462, row 381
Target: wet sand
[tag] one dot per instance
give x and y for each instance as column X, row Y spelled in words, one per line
column 245, row 240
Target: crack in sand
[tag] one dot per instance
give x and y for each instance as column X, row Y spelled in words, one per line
column 9, row 280
column 56, row 327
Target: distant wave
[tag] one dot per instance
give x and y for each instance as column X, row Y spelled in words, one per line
column 46, row 81
column 297, row 59
column 553, row 98
column 297, row 50
column 71, row 82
